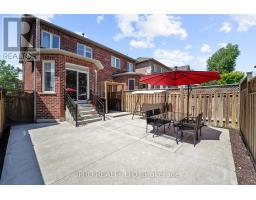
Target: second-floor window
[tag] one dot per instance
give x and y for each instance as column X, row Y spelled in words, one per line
column 129, row 67
column 84, row 50
column 155, row 68
column 115, row 62
column 50, row 40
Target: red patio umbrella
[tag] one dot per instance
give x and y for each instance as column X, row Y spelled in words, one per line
column 70, row 90
column 178, row 77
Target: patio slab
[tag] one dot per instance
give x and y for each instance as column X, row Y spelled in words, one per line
column 116, row 151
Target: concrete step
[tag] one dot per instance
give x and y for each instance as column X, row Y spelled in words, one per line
column 117, row 114
column 85, row 108
column 89, row 116
column 86, row 112
column 82, row 105
column 87, row 121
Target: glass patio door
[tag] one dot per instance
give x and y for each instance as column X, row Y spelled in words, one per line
column 82, row 86
column 76, row 84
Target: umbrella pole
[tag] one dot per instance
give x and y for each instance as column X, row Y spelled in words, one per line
column 188, row 104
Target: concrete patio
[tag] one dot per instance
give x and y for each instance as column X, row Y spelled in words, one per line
column 117, row 151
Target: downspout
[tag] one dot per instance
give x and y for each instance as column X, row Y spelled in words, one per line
column 96, row 80
column 35, row 91
column 35, row 70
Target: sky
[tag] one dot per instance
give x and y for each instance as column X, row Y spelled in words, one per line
column 174, row 40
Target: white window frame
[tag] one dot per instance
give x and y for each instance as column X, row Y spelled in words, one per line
column 43, row 76
column 80, row 69
column 133, row 79
column 115, row 58
column 85, row 47
column 128, row 64
column 51, row 39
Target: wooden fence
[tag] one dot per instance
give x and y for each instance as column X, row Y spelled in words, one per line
column 248, row 113
column 19, row 107
column 219, row 104
column 2, row 113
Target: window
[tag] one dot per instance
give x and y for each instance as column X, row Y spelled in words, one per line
column 131, row 84
column 156, row 68
column 50, row 40
column 84, row 50
column 115, row 62
column 129, row 67
column 48, row 76
column 88, row 52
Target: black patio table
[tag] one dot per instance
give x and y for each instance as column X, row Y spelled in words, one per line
column 169, row 117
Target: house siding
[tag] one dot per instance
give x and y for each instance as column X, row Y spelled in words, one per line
column 124, row 79
column 69, row 43
column 51, row 106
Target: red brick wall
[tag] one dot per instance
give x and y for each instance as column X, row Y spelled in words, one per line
column 51, row 106
column 69, row 43
column 124, row 79
column 28, row 76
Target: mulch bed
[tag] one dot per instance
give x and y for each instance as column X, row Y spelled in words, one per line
column 3, row 146
column 245, row 171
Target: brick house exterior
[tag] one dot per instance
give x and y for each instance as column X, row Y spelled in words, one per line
column 148, row 66
column 50, row 68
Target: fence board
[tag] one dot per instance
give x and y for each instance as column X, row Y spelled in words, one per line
column 2, row 113
column 247, row 118
column 220, row 107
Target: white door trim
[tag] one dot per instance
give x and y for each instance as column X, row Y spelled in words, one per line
column 80, row 69
column 132, row 79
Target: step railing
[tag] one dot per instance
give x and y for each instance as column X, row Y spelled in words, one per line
column 99, row 105
column 72, row 107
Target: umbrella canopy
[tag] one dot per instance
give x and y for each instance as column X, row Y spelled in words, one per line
column 175, row 78
column 70, row 90
column 178, row 77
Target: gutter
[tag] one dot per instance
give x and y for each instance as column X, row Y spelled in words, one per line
column 127, row 74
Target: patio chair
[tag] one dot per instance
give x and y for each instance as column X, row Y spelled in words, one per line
column 192, row 127
column 193, row 120
column 158, row 122
column 149, row 120
column 169, row 107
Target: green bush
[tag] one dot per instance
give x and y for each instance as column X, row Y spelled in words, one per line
column 231, row 77
column 227, row 78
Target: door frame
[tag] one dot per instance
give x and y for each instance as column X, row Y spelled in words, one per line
column 132, row 79
column 80, row 69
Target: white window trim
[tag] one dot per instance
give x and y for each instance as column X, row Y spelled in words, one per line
column 115, row 58
column 51, row 39
column 154, row 68
column 85, row 46
column 129, row 63
column 43, row 70
column 129, row 84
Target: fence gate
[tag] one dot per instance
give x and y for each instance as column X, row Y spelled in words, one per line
column 19, row 108
column 115, row 101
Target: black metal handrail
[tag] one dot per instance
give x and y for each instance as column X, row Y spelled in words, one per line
column 72, row 107
column 99, row 104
